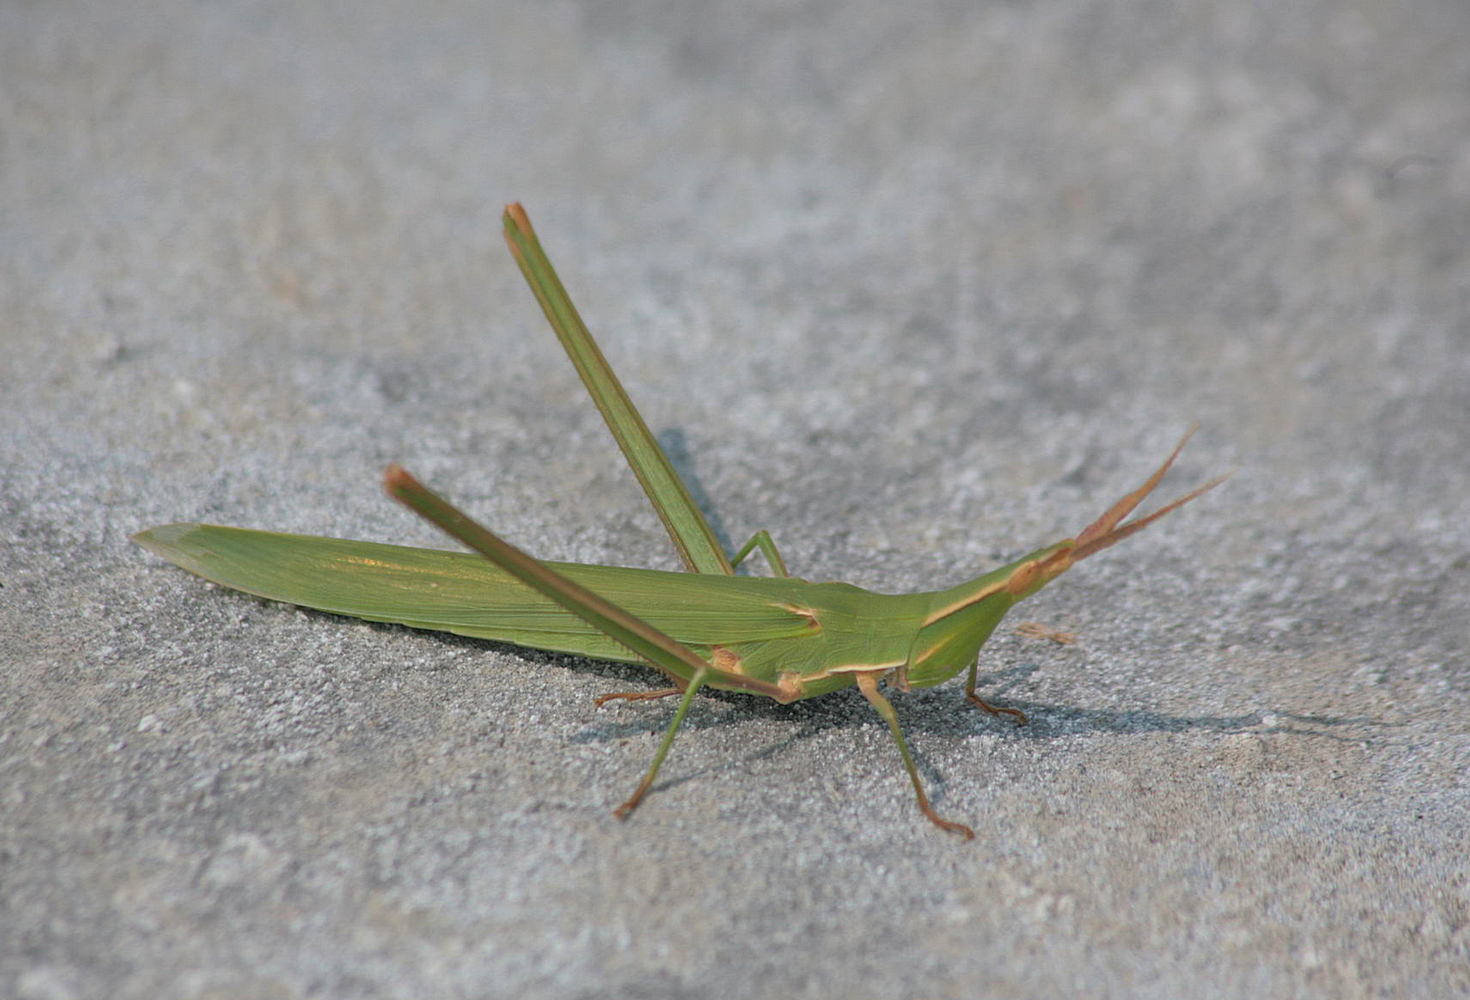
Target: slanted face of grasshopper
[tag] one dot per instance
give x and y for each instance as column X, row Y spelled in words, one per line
column 780, row 636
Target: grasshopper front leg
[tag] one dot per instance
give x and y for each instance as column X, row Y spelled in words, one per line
column 980, row 702
column 868, row 684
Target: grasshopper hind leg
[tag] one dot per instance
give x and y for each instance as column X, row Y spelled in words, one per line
column 691, row 689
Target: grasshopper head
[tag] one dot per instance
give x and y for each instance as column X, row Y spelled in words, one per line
column 1108, row 529
column 1034, row 572
column 963, row 617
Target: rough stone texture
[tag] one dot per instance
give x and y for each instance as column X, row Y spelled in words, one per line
column 914, row 286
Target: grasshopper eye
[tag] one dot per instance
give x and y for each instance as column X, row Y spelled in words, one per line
column 1023, row 578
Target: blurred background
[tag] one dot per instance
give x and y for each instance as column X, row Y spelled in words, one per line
column 916, row 287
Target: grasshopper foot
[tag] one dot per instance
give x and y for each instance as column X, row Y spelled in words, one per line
column 626, row 809
column 1014, row 713
column 944, row 824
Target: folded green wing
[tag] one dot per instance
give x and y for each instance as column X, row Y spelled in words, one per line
column 466, row 594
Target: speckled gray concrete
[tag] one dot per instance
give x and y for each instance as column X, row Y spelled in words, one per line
column 914, row 286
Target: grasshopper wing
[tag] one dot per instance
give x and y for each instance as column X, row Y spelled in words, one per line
column 467, row 595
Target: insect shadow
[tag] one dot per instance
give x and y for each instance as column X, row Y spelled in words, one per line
column 938, row 712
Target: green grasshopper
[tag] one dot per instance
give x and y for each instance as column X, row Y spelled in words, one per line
column 782, row 636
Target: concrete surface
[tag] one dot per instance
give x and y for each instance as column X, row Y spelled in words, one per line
column 914, row 286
